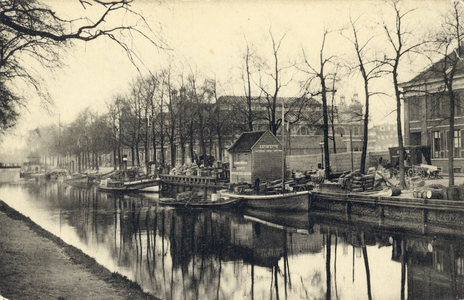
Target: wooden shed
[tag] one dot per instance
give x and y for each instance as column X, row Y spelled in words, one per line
column 255, row 154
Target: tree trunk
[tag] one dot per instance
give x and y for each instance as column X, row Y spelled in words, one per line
column 325, row 127
column 451, row 139
column 399, row 130
column 153, row 140
column 366, row 129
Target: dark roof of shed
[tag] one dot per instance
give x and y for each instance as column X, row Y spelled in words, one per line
column 246, row 141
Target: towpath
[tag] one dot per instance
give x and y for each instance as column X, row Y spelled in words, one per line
column 35, row 264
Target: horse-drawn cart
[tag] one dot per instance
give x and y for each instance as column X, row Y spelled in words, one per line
column 424, row 171
column 413, row 158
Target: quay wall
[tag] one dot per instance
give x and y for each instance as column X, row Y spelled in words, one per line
column 10, row 174
column 415, row 214
column 339, row 162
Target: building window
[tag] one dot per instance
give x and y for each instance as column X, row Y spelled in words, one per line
column 458, row 106
column 303, row 131
column 436, row 107
column 457, row 143
column 436, row 144
column 414, row 109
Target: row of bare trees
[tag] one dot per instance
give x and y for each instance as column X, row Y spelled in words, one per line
column 167, row 112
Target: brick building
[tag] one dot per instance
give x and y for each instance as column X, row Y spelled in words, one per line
column 426, row 114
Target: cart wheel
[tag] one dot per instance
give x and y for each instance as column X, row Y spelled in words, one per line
column 422, row 173
column 432, row 175
column 410, row 173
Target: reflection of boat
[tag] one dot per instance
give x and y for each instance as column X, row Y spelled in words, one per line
column 291, row 219
column 78, row 180
column 220, row 203
column 293, row 201
column 140, row 184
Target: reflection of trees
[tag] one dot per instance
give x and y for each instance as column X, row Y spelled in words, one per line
column 179, row 254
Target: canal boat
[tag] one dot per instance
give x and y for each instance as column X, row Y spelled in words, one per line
column 78, row 180
column 208, row 203
column 131, row 180
column 291, row 201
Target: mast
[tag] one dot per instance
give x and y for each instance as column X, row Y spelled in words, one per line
column 283, row 147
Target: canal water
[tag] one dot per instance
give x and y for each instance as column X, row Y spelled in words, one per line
column 204, row 254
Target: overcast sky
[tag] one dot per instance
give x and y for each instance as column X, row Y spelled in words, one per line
column 207, row 36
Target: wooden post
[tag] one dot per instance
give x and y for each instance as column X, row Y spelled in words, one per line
column 348, row 210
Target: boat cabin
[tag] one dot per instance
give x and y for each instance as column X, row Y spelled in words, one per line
column 255, row 155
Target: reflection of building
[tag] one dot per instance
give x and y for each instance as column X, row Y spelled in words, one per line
column 435, row 269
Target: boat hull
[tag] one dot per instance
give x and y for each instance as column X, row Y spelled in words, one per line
column 295, row 201
column 141, row 185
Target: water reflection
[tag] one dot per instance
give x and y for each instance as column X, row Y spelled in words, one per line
column 188, row 254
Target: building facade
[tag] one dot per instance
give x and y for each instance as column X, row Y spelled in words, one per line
column 427, row 115
column 382, row 137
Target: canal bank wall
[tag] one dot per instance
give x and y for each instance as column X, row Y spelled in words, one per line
column 429, row 215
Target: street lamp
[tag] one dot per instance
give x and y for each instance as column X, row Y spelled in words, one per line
column 321, row 144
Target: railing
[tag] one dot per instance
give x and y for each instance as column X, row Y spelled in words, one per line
column 192, row 180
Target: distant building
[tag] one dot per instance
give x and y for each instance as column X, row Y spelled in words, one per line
column 32, row 165
column 382, row 137
column 349, row 124
column 306, row 122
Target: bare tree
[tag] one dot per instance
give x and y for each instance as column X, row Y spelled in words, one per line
column 402, row 42
column 198, row 96
column 115, row 117
column 271, row 92
column 370, row 68
column 318, row 76
column 219, row 122
column 31, row 28
column 247, row 73
column 171, row 114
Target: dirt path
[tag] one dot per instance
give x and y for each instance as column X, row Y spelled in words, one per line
column 34, row 264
